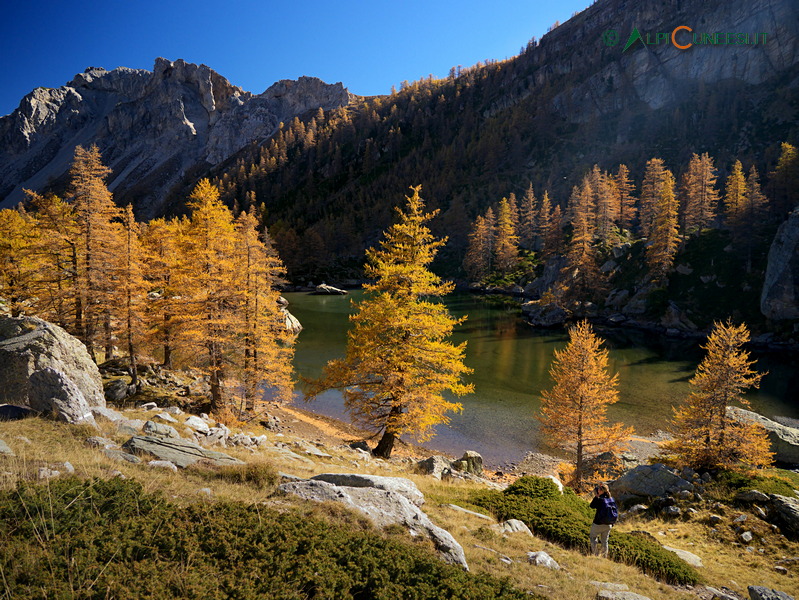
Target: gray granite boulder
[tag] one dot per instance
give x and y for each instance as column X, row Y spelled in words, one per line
column 648, row 481
column 785, row 511
column 118, row 390
column 5, row 449
column 757, row 592
column 399, row 485
column 177, row 451
column 784, row 440
column 437, row 466
column 160, row 430
column 382, row 507
column 52, row 392
column 542, row 559
column 28, row 344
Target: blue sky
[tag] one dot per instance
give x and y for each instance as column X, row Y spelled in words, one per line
column 367, row 45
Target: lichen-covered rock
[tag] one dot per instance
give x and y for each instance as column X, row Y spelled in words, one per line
column 382, row 507
column 757, row 592
column 785, row 511
column 471, row 462
column 29, row 344
column 437, row 466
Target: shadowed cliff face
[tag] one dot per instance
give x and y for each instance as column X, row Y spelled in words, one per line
column 154, row 128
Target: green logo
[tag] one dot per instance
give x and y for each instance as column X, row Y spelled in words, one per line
column 635, row 35
column 610, row 37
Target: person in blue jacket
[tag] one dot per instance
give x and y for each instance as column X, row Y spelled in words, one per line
column 604, row 519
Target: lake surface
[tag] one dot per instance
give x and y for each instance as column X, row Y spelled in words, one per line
column 511, row 362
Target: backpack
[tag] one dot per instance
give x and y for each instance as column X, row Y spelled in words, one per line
column 607, row 513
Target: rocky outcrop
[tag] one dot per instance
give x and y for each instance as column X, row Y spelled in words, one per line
column 544, row 315
column 784, row 440
column 28, row 344
column 471, row 462
column 293, row 324
column 779, row 299
column 153, row 128
column 382, row 507
column 648, row 481
column 178, row 451
column 758, row 592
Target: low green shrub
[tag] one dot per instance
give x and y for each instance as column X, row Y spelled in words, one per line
column 565, row 520
column 727, row 483
column 103, row 539
column 534, row 487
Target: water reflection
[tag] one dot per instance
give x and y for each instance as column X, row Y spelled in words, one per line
column 511, row 366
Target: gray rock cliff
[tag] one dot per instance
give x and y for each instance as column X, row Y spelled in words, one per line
column 780, row 297
column 151, row 127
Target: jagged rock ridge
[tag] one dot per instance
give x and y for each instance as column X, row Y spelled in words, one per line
column 154, row 128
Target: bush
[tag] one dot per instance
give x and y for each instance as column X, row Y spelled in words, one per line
column 110, row 539
column 728, row 483
column 565, row 519
column 533, row 487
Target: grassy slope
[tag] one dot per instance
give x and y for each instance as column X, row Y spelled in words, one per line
column 726, row 564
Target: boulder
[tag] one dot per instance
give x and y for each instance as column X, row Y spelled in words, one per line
column 28, row 344
column 784, row 440
column 5, row 449
column 178, row 451
column 399, row 485
column 382, row 507
column 11, row 412
column 109, row 414
column 197, row 424
column 100, row 442
column 166, row 417
column 437, row 466
column 785, row 511
column 779, row 299
column 750, row 496
column 163, row 464
column 757, row 592
column 544, row 315
column 511, row 526
column 716, row 594
column 52, row 392
column 160, row 430
column 328, row 290
column 121, row 456
column 118, row 390
column 552, row 270
column 542, row 559
column 471, row 462
column 292, row 323
column 648, row 480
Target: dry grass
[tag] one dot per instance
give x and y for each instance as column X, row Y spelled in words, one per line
column 726, row 564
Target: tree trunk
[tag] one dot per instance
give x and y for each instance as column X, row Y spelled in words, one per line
column 385, row 445
column 167, row 343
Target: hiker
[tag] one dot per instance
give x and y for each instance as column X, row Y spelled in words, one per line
column 606, row 515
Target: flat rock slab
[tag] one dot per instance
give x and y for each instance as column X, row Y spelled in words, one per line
column 382, row 507
column 400, row 485
column 612, row 595
column 177, row 451
column 121, row 456
column 469, row 512
column 689, row 557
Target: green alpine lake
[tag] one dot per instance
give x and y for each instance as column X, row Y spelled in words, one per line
column 511, row 362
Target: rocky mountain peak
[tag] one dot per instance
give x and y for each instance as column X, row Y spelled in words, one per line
column 153, row 127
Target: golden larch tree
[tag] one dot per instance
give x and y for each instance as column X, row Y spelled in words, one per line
column 208, row 280
column 700, row 197
column 477, row 262
column 528, row 219
column 785, row 180
column 19, row 261
column 98, row 247
column 626, row 201
column 734, row 197
column 399, row 362
column 606, row 200
column 506, row 244
column 57, row 251
column 706, row 435
column 651, row 194
column 574, row 412
column 267, row 345
column 581, row 277
column 131, row 290
column 663, row 237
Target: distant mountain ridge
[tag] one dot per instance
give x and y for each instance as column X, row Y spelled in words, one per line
column 156, row 129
